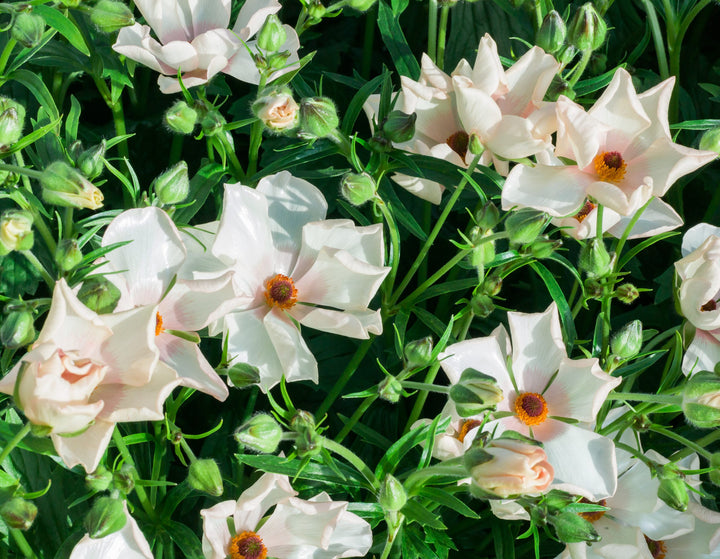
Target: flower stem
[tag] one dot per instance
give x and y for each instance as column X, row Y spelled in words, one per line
column 5, row 56
column 432, row 30
column 444, row 12
column 580, row 67
column 425, row 387
column 436, row 276
column 420, row 401
column 19, row 436
column 639, row 397
column 657, row 39
column 22, row 543
column 237, row 169
column 139, row 489
column 692, row 446
column 353, row 459
column 394, row 246
column 350, row 369
column 39, row 267
column 361, row 409
column 705, row 441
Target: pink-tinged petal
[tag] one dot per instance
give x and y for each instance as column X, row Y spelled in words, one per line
column 488, row 74
column 252, row 16
column 544, row 122
column 579, row 135
column 528, row 80
column 657, row 218
column 152, row 256
column 433, row 76
column 268, row 491
column 579, row 389
column 623, row 201
column 703, row 353
column 214, row 49
column 298, row 362
column 478, row 112
column 696, row 292
column 697, row 235
column 538, row 348
column 132, row 41
column 171, row 20
column 242, row 67
column 513, row 138
column 191, row 79
column 191, row 366
column 436, row 118
column 424, row 189
column 351, row 323
column 216, row 534
column 337, row 279
column 178, row 55
column 209, row 14
column 127, row 543
column 584, row 461
column 86, row 448
column 708, row 250
column 130, row 353
column 557, row 190
column 463, row 70
column 192, row 305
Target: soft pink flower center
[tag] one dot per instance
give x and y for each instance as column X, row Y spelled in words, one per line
column 657, row 548
column 76, row 369
column 531, row 408
column 458, row 142
column 280, row 292
column 247, row 545
column 610, row 166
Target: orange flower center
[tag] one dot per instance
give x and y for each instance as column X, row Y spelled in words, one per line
column 711, row 305
column 658, row 549
column 458, row 142
column 467, row 426
column 280, row 292
column 247, row 545
column 592, row 516
column 610, row 166
column 585, row 211
column 531, row 408
column 158, row 324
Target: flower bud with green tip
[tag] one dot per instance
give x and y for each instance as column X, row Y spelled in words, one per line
column 318, row 117
column 278, row 60
column 91, row 162
column 474, row 393
column 595, row 260
column 28, row 29
column 12, row 120
column 570, row 527
column 68, row 255
column 361, row 5
column 99, row 294
column 110, row 15
column 124, row 479
column 544, row 247
column 205, row 476
column 243, row 375
column 492, row 285
column 181, row 118
column 418, row 353
column 18, row 513
column 99, row 480
column 392, row 496
column 172, row 186
column 560, row 86
column 701, row 400
column 399, row 127
column 358, row 188
column 390, row 389
column 272, row 34
column 627, row 341
column 551, row 35
column 18, row 329
column 212, row 123
column 16, row 231
column 710, row 140
column 487, row 217
column 67, row 187
column 482, row 305
column 483, row 251
column 316, row 11
column 672, row 490
column 524, row 225
column 626, row 293
column 475, row 145
column 308, row 442
column 587, row 29
column 261, row 433
column 106, row 517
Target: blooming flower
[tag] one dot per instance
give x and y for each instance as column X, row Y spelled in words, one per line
column 277, row 110
column 194, row 39
column 318, row 528
column 541, row 388
column 87, row 372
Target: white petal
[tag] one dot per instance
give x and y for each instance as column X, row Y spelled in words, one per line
column 425, row 189
column 252, row 16
column 171, row 20
column 579, row 135
column 192, row 305
column 697, row 235
column 703, row 353
column 657, row 218
column 255, row 501
column 528, row 80
column 87, row 448
column 127, row 543
column 132, row 41
column 512, row 138
column 191, row 366
column 210, row 14
column 488, row 73
column 478, row 112
column 353, row 323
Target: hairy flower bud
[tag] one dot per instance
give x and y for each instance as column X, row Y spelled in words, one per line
column 212, row 123
column 544, row 247
column 361, row 5
column 392, row 495
column 243, row 375
column 474, row 393
column 261, row 433
column 572, row 528
column 110, row 15
column 99, row 294
column 278, row 60
column 316, row 11
column 492, row 285
column 318, row 117
column 390, row 389
column 106, row 517
column 673, row 490
column 205, row 476
column 418, row 353
column 18, row 329
column 524, row 225
column 16, row 231
column 12, row 120
column 560, row 86
column 626, row 342
column 551, row 35
column 91, row 162
column 399, row 127
column 18, row 513
column 701, row 400
column 358, row 188
column 272, row 34
column 715, row 464
column 595, row 260
column 64, row 186
column 277, row 110
column 181, row 118
column 99, row 480
column 172, row 186
column 587, row 29
column 487, row 217
column 482, row 305
column 627, row 293
column 124, row 479
column 68, row 255
column 28, row 29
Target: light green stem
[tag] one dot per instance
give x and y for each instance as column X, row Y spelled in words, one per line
column 361, row 409
column 639, row 397
column 353, row 459
column 39, row 267
column 19, row 436
column 692, row 446
column 422, row 397
column 657, row 39
column 22, row 543
column 432, row 30
column 394, row 245
column 444, row 12
column 425, row 387
column 436, row 276
column 705, row 441
column 5, row 56
column 345, row 377
column 139, row 489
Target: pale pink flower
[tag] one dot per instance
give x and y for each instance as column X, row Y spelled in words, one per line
column 541, row 387
column 193, row 38
column 86, row 372
column 319, row 528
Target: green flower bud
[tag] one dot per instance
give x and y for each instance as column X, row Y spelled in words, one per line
column 106, row 517
column 641, row 423
column 626, row 342
column 474, row 393
column 124, row 479
column 110, row 16
column 484, row 251
column 64, row 186
column 572, row 528
column 16, row 231
column 673, row 490
column 307, row 442
column 261, row 433
column 91, row 162
column 492, row 285
column 18, row 329
column 302, row 421
column 12, row 120
column 390, row 389
column 418, row 353
column 475, row 145
column 399, row 127
column 172, row 186
column 18, row 513
column 272, row 35
column 587, row 29
column 243, row 375
column 558, row 87
column 626, row 293
column 212, row 123
column 181, row 118
column 595, row 260
column 205, row 476
column 488, row 216
column 68, row 255
column 594, row 289
column 99, row 294
column 710, row 140
column 99, row 480
column 565, row 56
column 358, row 188
column 543, row 247
column 361, row 5
column 602, row 6
column 28, row 29
column 482, row 305
column 316, row 11
column 318, row 117
column 551, row 35
column 524, row 225
column 71, row 3
column 392, row 496
column 701, row 400
column 278, row 60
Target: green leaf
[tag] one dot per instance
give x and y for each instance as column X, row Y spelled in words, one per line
column 405, row 444
column 400, row 326
column 31, row 138
column 559, row 297
column 415, row 512
column 64, row 26
column 585, row 87
column 36, row 86
column 447, row 287
column 401, row 213
column 355, row 107
column 312, row 470
column 643, row 245
column 394, row 39
column 414, row 545
column 185, row 539
column 369, row 435
column 72, row 121
column 17, row 276
column 448, row 500
column 201, row 185
column 430, row 320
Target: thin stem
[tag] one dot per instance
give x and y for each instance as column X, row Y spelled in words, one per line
column 68, row 222
column 39, row 267
column 5, row 56
column 580, row 68
column 420, row 401
column 235, row 165
column 436, row 276
column 368, row 40
column 704, row 442
column 682, row 440
column 657, row 39
column 19, row 436
column 22, row 543
column 425, row 387
column 37, row 175
column 353, row 459
column 176, row 149
column 345, row 377
column 432, row 30
column 139, row 489
column 444, row 12
column 359, row 412
column 640, row 397
column 392, row 536
column 394, row 246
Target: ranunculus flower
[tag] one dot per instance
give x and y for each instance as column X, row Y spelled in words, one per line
column 516, row 468
column 542, row 387
column 319, row 528
column 194, row 39
column 87, row 372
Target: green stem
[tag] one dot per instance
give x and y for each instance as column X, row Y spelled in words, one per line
column 621, row 243
column 599, row 226
column 68, row 222
column 176, row 149
column 432, row 30
column 19, row 436
column 422, row 397
column 359, row 412
column 368, row 40
column 425, row 387
column 640, row 397
column 657, row 39
column 5, row 56
column 22, row 543
column 139, row 489
column 704, row 442
column 353, row 459
column 394, row 246
column 694, row 447
column 444, row 12
column 345, row 377
column 580, row 68
column 37, row 175
column 235, row 165
column 453, row 468
column 436, row 276
column 392, row 536
column 39, row 267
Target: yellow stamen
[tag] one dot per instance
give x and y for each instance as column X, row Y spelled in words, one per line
column 585, row 211
column 466, row 427
column 158, row 324
column 657, row 548
column 247, row 545
column 280, row 292
column 531, row 408
column 610, row 166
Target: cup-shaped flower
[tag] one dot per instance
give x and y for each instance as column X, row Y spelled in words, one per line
column 542, row 388
column 127, row 543
column 193, row 38
column 319, row 528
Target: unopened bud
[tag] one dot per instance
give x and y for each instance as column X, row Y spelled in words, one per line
column 16, row 231
column 68, row 255
column 701, row 400
column 392, row 495
column 594, row 289
column 474, row 393
column 212, row 123
column 28, row 29
column 110, row 16
column 627, row 341
column 483, row 251
column 710, row 140
column 390, row 389
column 172, row 186
column 318, row 117
column 573, row 528
column 487, row 217
column 418, row 353
column 278, row 60
column 316, row 11
column 278, row 111
column 99, row 480
column 181, row 118
column 99, row 294
column 307, row 442
column 91, row 162
column 627, row 293
column 64, row 186
column 595, row 260
column 18, row 513
column 564, row 56
column 399, row 127
column 272, row 35
column 475, row 145
column 358, row 188
column 524, row 225
column 106, row 517
column 361, row 5
column 18, row 329
column 551, row 35
column 205, row 476
column 12, row 120
column 243, row 375
column 492, row 285
column 560, row 86
column 482, row 305
column 641, row 423
column 587, row 29
column 260, row 433
column 124, row 479
column 673, row 490
column 543, row 247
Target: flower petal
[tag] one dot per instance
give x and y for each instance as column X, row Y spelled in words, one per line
column 127, row 543
column 352, row 323
column 252, row 16
column 86, row 448
column 255, row 501
column 192, row 305
column 488, row 74
column 703, row 353
column 478, row 112
column 657, row 218
column 528, row 80
column 512, row 138
column 134, row 42
column 209, row 14
column 191, row 366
